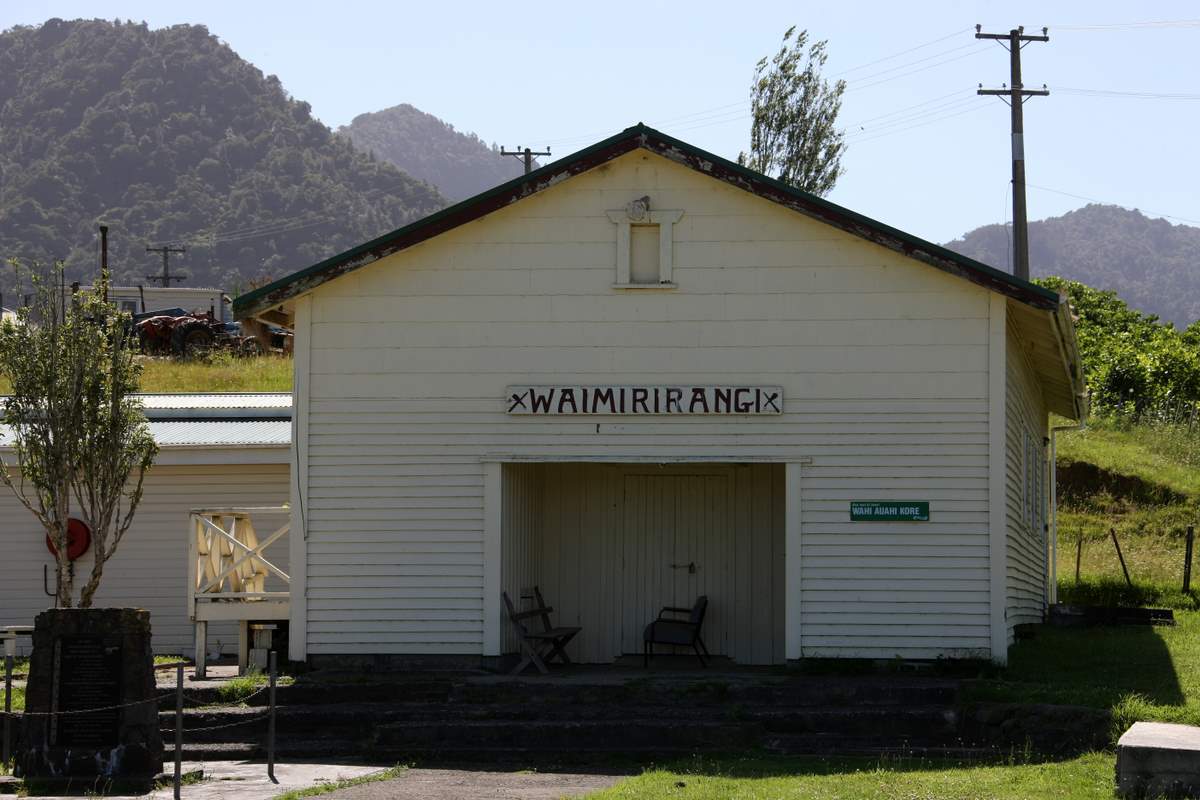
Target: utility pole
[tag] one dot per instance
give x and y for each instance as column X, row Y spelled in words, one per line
column 1013, row 41
column 526, row 154
column 166, row 276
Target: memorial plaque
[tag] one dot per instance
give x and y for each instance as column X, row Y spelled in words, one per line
column 91, row 703
column 87, row 674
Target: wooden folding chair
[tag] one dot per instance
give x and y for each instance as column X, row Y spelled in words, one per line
column 538, row 646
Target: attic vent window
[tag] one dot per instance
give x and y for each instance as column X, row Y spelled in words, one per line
column 644, row 253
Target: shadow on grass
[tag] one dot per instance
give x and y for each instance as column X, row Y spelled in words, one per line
column 1097, row 667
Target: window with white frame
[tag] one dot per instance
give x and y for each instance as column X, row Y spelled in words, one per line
column 645, row 252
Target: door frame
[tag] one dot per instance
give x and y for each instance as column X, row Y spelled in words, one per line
column 493, row 532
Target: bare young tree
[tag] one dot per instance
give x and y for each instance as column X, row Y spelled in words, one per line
column 793, row 133
column 77, row 432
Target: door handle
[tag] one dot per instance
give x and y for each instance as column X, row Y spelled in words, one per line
column 690, row 567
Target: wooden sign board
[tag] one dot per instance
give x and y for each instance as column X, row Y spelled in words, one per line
column 644, row 400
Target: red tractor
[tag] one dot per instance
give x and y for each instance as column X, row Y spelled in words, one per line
column 175, row 332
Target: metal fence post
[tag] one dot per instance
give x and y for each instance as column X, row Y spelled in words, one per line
column 271, row 723
column 178, row 728
column 9, row 646
column 1120, row 557
column 1187, row 559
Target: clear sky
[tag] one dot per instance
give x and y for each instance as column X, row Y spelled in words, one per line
column 925, row 154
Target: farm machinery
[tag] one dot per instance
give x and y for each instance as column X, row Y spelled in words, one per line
column 175, row 332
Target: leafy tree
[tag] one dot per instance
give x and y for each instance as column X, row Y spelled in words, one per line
column 793, row 135
column 80, row 437
column 1137, row 368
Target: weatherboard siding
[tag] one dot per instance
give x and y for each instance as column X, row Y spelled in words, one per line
column 1026, row 562
column 883, row 362
column 149, row 569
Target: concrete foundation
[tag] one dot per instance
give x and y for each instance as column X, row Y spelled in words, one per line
column 1158, row 759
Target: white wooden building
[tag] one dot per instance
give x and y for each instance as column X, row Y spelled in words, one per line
column 217, row 450
column 643, row 373
column 136, row 299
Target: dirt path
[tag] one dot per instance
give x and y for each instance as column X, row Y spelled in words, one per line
column 457, row 784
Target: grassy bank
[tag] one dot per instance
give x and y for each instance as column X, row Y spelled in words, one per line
column 221, row 373
column 1086, row 778
column 1143, row 483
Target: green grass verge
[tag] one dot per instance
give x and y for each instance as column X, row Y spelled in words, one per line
column 333, row 786
column 220, row 373
column 235, row 690
column 1085, row 778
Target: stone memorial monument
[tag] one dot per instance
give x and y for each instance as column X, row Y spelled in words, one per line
column 91, row 710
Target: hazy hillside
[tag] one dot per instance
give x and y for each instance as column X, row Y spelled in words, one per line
column 169, row 136
column 458, row 164
column 1152, row 264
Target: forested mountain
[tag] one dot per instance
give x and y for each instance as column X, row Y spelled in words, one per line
column 168, row 136
column 460, row 165
column 1152, row 264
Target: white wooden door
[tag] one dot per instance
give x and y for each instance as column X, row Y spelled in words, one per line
column 676, row 546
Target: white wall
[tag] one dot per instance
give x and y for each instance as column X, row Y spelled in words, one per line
column 598, row 540
column 1026, row 561
column 150, row 568
column 883, row 362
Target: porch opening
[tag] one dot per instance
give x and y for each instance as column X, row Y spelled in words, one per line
column 612, row 544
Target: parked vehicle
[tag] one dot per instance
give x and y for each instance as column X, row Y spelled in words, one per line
column 176, row 332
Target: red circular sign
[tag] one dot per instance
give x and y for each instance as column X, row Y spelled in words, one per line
column 79, row 539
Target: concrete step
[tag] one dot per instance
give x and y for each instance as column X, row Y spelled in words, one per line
column 612, row 736
column 642, row 692
column 927, row 721
column 215, row 724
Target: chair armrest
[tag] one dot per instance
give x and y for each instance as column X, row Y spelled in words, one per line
column 673, row 610
column 533, row 612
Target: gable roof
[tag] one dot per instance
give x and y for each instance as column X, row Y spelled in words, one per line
column 262, row 300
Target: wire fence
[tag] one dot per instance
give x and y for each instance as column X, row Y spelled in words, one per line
column 178, row 730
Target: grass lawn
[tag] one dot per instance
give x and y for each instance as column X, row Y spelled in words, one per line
column 221, row 373
column 1087, row 777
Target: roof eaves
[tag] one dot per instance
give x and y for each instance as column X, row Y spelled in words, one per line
column 289, row 286
column 681, row 152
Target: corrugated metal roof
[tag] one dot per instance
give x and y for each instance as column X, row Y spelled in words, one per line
column 219, row 433
column 217, row 400
column 213, row 420
column 222, row 433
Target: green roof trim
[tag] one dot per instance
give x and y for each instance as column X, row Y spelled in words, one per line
column 639, row 136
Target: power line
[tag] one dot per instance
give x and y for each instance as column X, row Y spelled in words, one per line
column 743, row 104
column 1134, row 94
column 912, row 116
column 1120, row 26
column 860, row 87
column 1112, row 203
column 897, row 54
column 942, row 118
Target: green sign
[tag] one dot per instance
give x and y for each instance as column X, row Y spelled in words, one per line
column 889, row 511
